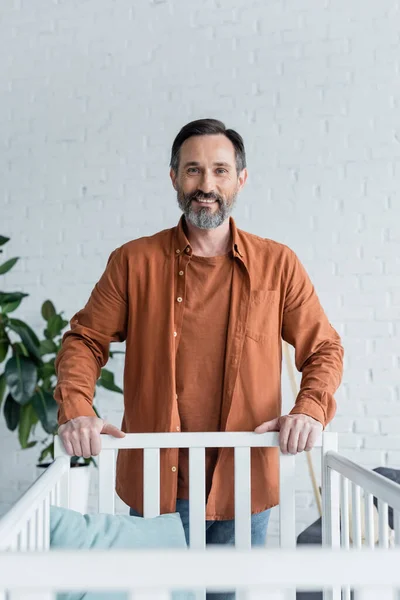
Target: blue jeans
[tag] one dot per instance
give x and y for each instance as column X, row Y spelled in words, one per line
column 222, row 532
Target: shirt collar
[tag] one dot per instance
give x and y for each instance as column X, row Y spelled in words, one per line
column 182, row 244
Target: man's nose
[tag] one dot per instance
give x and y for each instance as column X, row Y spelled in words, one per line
column 207, row 183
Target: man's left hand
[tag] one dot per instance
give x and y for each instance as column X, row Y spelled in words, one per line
column 296, row 432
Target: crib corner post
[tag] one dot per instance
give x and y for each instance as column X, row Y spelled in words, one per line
column 63, row 486
column 330, row 505
column 330, row 494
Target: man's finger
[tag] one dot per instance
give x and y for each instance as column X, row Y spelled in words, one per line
column 303, row 439
column 76, row 444
column 293, row 441
column 268, row 426
column 284, row 436
column 312, row 438
column 112, row 430
column 85, row 443
column 95, row 443
column 67, row 445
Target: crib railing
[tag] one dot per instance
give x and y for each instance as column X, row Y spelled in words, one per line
column 349, row 486
column 242, row 442
column 25, row 526
column 259, row 574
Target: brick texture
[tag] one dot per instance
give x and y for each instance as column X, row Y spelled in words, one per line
column 92, row 94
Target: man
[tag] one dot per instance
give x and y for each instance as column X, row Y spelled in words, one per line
column 203, row 308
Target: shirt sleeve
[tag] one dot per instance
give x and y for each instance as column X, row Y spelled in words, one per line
column 318, row 349
column 85, row 347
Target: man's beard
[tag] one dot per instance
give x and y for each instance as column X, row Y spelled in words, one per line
column 204, row 217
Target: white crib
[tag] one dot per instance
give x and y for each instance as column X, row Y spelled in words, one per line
column 268, row 573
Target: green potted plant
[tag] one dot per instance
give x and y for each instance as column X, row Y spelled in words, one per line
column 28, row 379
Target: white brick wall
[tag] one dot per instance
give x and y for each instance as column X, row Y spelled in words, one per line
column 92, row 94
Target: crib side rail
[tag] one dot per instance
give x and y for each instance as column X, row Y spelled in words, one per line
column 242, row 442
column 26, row 525
column 256, row 574
column 350, row 519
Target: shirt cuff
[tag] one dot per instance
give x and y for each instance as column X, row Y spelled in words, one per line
column 68, row 411
column 311, row 408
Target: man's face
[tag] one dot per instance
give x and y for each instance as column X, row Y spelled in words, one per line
column 207, row 183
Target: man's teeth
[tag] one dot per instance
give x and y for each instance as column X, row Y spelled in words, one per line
column 207, row 201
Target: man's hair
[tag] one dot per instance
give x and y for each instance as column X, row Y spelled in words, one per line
column 208, row 127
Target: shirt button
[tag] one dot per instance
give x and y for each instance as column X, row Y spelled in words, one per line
column 175, row 334
column 187, row 250
column 179, row 299
column 180, row 272
column 178, row 428
column 173, row 469
column 178, row 251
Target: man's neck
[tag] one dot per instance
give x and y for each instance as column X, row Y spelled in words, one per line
column 209, row 242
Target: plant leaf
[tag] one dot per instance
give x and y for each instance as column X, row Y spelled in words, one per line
column 47, row 347
column 27, row 335
column 21, row 377
column 106, row 380
column 11, row 306
column 3, row 385
column 8, row 265
column 48, row 370
column 46, row 409
column 55, row 326
column 48, row 310
column 3, row 240
column 26, row 422
column 48, row 450
column 4, row 344
column 10, row 302
column 12, row 411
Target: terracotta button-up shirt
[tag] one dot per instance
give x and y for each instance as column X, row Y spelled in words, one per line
column 135, row 300
column 201, row 350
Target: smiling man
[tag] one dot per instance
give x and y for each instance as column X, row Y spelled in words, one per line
column 203, row 308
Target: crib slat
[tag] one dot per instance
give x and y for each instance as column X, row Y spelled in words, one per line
column 106, row 481
column 383, row 524
column 344, row 514
column 263, row 594
column 369, row 519
column 39, row 528
column 356, row 510
column 287, row 508
column 151, row 482
column 242, row 498
column 149, row 595
column 383, row 593
column 344, row 523
column 46, row 522
column 396, row 525
column 32, row 533
column 63, row 490
column 197, row 496
column 23, row 539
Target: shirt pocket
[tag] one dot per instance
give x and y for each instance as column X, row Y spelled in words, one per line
column 263, row 314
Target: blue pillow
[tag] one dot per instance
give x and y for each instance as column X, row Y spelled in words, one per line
column 72, row 530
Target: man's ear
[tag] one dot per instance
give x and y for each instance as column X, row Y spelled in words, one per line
column 172, row 174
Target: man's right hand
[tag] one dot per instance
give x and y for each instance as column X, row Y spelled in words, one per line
column 81, row 436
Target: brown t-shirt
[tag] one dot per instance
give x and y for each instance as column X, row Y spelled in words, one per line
column 200, row 360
